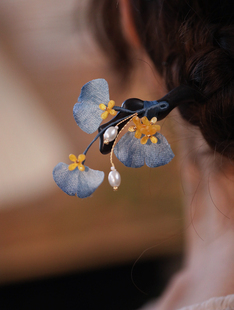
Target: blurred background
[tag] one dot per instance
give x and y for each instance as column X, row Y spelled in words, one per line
column 115, row 250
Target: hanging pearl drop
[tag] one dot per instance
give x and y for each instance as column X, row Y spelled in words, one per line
column 114, row 179
column 110, row 134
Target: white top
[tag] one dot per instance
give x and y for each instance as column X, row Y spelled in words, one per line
column 216, row 303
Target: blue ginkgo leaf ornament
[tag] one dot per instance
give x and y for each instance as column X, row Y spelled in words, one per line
column 77, row 179
column 132, row 153
column 142, row 144
column 93, row 105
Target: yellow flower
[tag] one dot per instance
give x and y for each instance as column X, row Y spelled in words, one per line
column 145, row 127
column 108, row 109
column 77, row 162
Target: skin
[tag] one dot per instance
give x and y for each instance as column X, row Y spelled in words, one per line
column 208, row 180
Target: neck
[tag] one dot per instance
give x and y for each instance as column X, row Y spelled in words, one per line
column 208, row 183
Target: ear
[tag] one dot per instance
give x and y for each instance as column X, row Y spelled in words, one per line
column 128, row 25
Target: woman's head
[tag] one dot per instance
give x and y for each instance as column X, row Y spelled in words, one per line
column 189, row 42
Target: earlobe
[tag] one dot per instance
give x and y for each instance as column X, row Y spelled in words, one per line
column 128, row 25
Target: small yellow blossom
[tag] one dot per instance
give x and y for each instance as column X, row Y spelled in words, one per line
column 145, row 127
column 108, row 109
column 77, row 162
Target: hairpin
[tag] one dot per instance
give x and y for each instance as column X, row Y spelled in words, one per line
column 142, row 144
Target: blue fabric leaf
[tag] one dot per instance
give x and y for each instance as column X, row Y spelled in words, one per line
column 132, row 153
column 86, row 111
column 76, row 182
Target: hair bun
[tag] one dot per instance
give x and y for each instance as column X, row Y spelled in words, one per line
column 209, row 55
column 209, row 66
column 224, row 38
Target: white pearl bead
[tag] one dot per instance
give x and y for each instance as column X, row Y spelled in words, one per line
column 114, row 179
column 110, row 134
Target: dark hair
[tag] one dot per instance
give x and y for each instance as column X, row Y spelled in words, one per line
column 190, row 42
